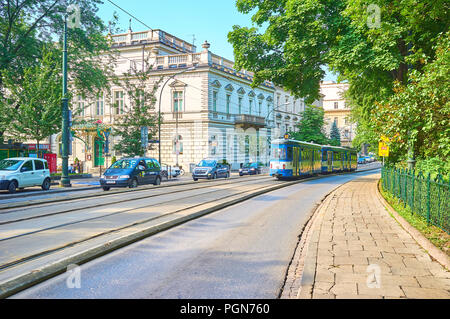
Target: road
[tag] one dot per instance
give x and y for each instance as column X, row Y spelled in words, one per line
column 242, row 251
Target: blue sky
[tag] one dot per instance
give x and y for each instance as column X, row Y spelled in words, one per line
column 209, row 20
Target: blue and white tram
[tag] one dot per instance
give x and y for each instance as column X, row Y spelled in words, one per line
column 291, row 159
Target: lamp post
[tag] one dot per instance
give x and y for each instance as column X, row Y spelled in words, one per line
column 65, row 181
column 73, row 13
column 159, row 109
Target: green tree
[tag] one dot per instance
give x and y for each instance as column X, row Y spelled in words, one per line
column 39, row 97
column 335, row 135
column 28, row 26
column 310, row 127
column 140, row 90
column 379, row 60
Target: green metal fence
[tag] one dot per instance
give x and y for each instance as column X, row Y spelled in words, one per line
column 427, row 197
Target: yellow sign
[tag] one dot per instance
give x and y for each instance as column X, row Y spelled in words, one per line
column 383, row 149
column 384, row 138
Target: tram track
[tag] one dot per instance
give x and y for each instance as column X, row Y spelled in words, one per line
column 101, row 193
column 231, row 185
column 36, row 256
column 138, row 222
column 158, row 191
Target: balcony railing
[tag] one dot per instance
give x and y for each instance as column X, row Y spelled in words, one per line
column 247, row 119
column 150, row 36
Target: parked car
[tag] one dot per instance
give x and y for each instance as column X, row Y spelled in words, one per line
column 175, row 171
column 250, row 169
column 131, row 172
column 210, row 169
column 21, row 172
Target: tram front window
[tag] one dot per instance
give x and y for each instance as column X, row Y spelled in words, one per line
column 282, row 153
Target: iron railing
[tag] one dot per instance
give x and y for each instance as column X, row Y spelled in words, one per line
column 427, row 197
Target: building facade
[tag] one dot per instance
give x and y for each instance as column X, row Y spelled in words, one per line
column 337, row 110
column 208, row 108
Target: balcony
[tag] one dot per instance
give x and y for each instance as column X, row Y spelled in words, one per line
column 247, row 120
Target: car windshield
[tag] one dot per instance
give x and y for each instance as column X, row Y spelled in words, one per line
column 124, row 164
column 10, row 165
column 207, row 163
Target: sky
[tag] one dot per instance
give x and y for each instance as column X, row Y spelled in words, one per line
column 209, row 20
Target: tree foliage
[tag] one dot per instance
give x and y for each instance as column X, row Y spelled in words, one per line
column 310, row 127
column 335, row 135
column 39, row 97
column 29, row 28
column 385, row 63
column 140, row 90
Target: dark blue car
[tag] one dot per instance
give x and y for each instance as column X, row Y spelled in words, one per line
column 131, row 172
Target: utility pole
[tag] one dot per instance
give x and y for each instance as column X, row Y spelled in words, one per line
column 73, row 12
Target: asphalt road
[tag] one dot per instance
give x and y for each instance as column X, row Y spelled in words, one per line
column 242, row 251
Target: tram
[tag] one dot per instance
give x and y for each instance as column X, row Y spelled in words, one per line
column 293, row 159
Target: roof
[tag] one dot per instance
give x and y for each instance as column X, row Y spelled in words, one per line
column 287, row 141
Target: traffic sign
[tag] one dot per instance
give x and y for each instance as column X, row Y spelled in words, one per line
column 383, row 149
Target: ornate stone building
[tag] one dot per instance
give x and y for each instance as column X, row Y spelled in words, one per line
column 209, row 108
column 337, row 110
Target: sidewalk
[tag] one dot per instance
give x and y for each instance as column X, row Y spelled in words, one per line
column 353, row 248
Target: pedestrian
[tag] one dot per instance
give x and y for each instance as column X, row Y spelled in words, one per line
column 71, row 169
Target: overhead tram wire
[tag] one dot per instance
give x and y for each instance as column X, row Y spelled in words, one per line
column 143, row 23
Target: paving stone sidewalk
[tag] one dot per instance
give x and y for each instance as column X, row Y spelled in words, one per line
column 353, row 248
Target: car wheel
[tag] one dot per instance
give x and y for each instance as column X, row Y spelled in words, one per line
column 133, row 183
column 46, row 184
column 106, row 188
column 12, row 187
column 157, row 181
column 195, row 179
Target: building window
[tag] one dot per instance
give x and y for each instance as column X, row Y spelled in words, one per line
column 287, row 103
column 177, row 101
column 215, row 101
column 99, row 110
column 346, row 121
column 228, row 103
column 260, row 108
column 118, row 102
column 240, row 105
column 336, row 105
column 336, row 121
column 250, row 102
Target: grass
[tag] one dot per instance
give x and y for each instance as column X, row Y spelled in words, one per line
column 437, row 236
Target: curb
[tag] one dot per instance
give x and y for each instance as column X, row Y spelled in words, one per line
column 431, row 249
column 48, row 271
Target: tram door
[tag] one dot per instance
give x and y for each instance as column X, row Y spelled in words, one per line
column 296, row 161
column 330, row 161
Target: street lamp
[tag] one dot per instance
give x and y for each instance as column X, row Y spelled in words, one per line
column 159, row 109
column 73, row 13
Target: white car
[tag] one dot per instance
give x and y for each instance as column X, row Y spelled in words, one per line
column 21, row 172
